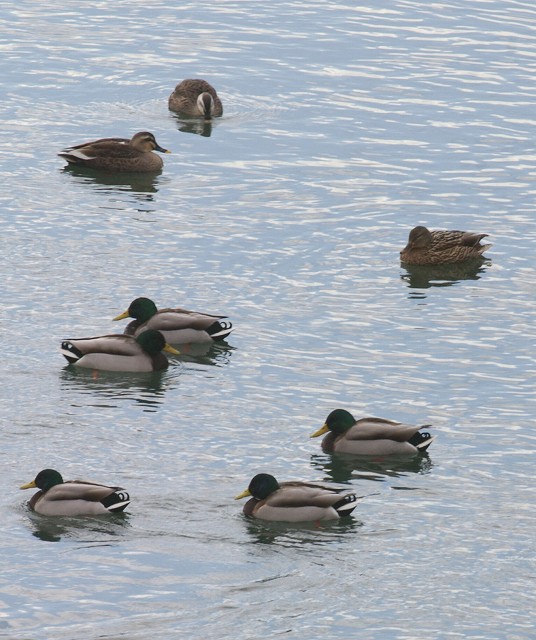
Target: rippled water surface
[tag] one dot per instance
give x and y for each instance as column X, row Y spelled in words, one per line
column 344, row 126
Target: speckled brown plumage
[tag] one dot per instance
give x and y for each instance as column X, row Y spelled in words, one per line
column 442, row 247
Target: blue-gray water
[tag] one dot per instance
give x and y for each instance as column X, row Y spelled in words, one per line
column 345, row 125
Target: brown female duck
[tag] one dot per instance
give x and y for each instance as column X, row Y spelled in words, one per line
column 442, row 247
column 118, row 154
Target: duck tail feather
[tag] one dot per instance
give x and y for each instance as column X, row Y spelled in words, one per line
column 116, row 501
column 219, row 330
column 346, row 505
column 70, row 352
column 422, row 440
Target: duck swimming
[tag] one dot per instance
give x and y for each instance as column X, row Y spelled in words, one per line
column 371, row 436
column 118, row 352
column 442, row 247
column 295, row 501
column 74, row 497
column 194, row 97
column 178, row 326
column 118, row 154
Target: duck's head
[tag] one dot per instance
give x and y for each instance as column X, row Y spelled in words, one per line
column 141, row 309
column 419, row 238
column 44, row 480
column 152, row 341
column 338, row 422
column 145, row 142
column 260, row 487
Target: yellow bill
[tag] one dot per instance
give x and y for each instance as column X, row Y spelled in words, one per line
column 323, row 429
column 122, row 316
column 170, row 349
column 244, row 494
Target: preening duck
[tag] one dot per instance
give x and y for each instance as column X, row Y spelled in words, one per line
column 295, row 501
column 74, row 497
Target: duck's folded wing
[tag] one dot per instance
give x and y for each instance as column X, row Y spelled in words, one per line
column 472, row 239
column 173, row 320
column 297, row 494
column 114, row 344
column 107, row 147
column 110, row 147
column 381, row 429
column 78, row 490
column 196, row 313
column 102, row 143
column 446, row 239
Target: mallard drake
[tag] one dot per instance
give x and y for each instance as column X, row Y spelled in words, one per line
column 442, row 247
column 74, row 497
column 371, row 436
column 119, row 352
column 118, row 154
column 178, row 326
column 295, row 501
column 194, row 97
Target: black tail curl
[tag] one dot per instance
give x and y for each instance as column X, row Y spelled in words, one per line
column 422, row 440
column 219, row 330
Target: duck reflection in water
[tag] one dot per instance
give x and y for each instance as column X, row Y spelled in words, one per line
column 98, row 530
column 211, row 355
column 147, row 390
column 145, row 184
column 446, row 275
column 288, row 534
column 196, row 126
column 343, row 467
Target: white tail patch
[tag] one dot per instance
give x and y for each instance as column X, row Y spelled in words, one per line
column 224, row 332
column 77, row 153
column 69, row 351
column 119, row 506
column 426, row 443
column 346, row 505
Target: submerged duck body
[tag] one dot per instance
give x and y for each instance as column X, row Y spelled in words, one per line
column 195, row 98
column 295, row 501
column 74, row 497
column 427, row 247
column 119, row 352
column 118, row 154
column 371, row 436
column 178, row 326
